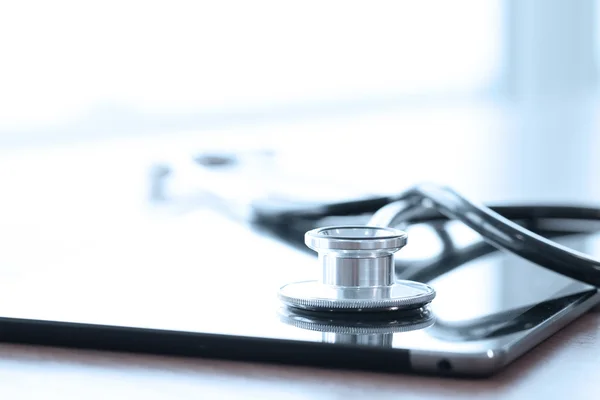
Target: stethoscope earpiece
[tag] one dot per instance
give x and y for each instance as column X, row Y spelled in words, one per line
column 357, row 273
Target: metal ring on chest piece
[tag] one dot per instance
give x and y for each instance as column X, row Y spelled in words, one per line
column 375, row 332
column 357, row 273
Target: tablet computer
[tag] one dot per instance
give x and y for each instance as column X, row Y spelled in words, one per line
column 207, row 287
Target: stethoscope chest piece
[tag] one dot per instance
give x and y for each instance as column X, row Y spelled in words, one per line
column 357, row 273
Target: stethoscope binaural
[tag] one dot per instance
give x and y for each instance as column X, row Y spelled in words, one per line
column 357, row 262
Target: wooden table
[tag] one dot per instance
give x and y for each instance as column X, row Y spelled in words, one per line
column 565, row 366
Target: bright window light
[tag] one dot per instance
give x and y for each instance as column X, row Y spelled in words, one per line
column 64, row 59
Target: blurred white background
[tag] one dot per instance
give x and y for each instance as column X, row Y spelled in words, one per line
column 507, row 85
column 68, row 65
column 495, row 97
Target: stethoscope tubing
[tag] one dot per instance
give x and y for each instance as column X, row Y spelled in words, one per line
column 503, row 233
column 428, row 203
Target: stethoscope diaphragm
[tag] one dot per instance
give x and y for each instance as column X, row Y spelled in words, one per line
column 357, row 273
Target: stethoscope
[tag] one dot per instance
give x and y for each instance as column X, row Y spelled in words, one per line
column 358, row 271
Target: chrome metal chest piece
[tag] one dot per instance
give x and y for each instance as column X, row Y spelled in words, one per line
column 357, row 273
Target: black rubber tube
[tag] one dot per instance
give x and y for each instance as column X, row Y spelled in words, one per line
column 505, row 234
column 496, row 225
